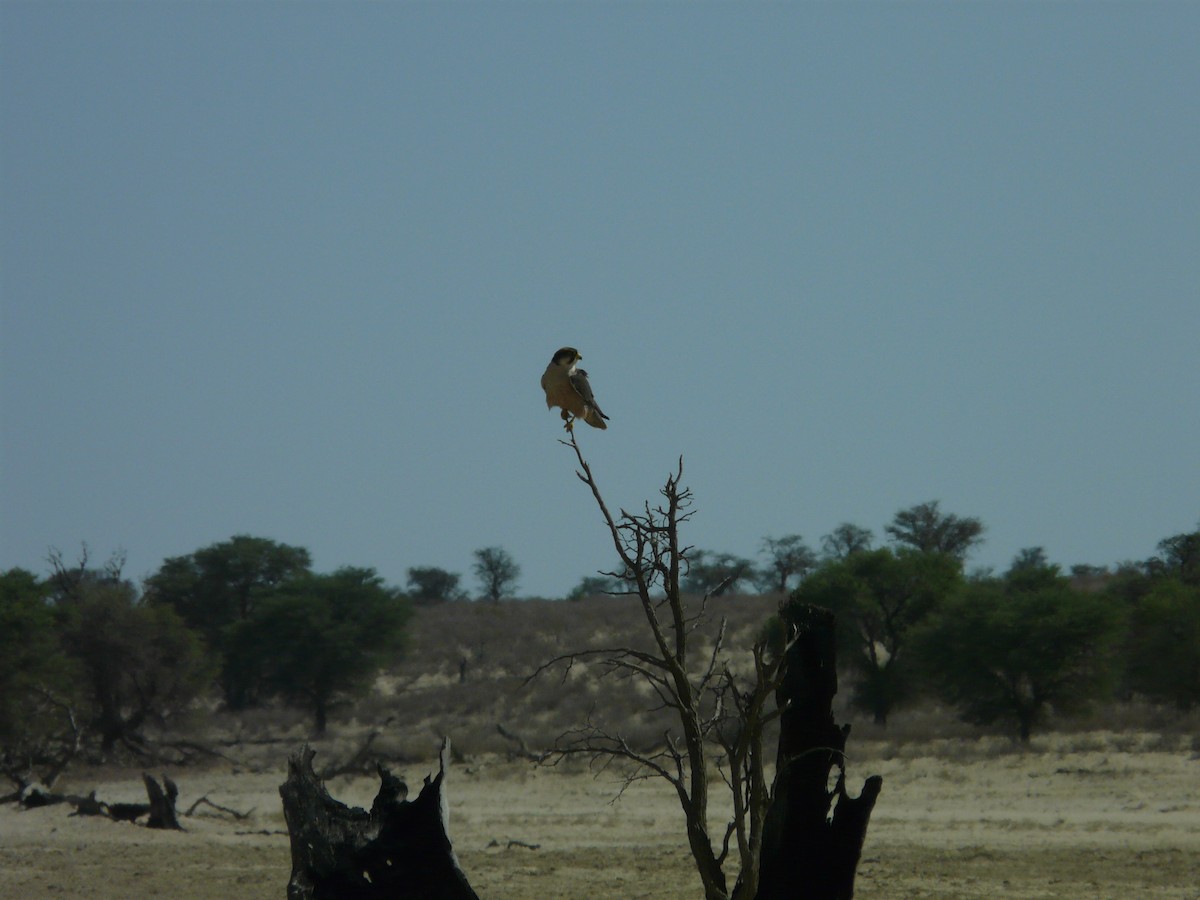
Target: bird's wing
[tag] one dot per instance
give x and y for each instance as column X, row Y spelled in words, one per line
column 579, row 381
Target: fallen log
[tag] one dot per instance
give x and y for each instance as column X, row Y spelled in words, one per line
column 161, row 808
column 523, row 750
column 204, row 801
column 400, row 849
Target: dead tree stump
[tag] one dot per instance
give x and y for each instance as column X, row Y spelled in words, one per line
column 161, row 807
column 807, row 853
column 162, row 803
column 398, row 850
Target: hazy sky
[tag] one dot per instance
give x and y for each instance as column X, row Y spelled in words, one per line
column 294, row 270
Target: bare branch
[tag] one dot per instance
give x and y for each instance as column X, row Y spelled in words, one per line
column 223, row 809
column 715, row 656
column 715, row 720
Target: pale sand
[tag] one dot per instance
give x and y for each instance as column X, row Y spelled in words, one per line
column 1028, row 825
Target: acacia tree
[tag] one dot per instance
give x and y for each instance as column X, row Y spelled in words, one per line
column 429, row 586
column 879, row 596
column 715, row 574
column 926, row 529
column 1006, row 650
column 787, row 557
column 497, row 571
column 1163, row 643
column 1180, row 558
column 39, row 731
column 322, row 637
column 592, row 585
column 845, row 540
column 219, row 588
column 137, row 664
column 1030, row 559
column 718, row 717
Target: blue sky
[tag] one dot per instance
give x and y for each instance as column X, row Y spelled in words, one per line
column 294, row 270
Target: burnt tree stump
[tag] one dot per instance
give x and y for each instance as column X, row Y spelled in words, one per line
column 808, row 853
column 162, row 803
column 399, row 849
column 161, row 808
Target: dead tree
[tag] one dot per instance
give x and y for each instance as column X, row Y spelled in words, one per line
column 222, row 810
column 359, row 763
column 160, row 810
column 162, row 803
column 808, row 853
column 719, row 717
column 399, row 849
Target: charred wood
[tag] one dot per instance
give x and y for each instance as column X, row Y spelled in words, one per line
column 813, row 835
column 399, row 849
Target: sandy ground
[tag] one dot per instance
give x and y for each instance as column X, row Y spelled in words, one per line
column 1091, row 824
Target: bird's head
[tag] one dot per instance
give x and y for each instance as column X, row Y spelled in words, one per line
column 566, row 357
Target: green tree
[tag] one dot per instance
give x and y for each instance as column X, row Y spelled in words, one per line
column 323, row 637
column 137, row 664
column 1164, row 644
column 497, row 571
column 1180, row 557
column 1007, row 650
column 429, row 586
column 30, row 658
column 879, row 596
column 222, row 585
column 788, row 557
column 845, row 540
column 38, row 732
column 1032, row 559
column 926, row 529
column 592, row 585
column 717, row 573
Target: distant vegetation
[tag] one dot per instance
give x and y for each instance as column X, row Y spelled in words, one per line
column 94, row 666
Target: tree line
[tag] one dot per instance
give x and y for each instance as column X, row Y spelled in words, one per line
column 1001, row 648
column 1006, row 648
column 89, row 658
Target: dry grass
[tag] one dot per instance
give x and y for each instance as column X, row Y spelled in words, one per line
column 430, row 694
column 467, row 667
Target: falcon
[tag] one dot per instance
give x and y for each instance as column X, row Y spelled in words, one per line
column 567, row 387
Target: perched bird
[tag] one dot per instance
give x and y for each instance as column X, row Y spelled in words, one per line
column 567, row 387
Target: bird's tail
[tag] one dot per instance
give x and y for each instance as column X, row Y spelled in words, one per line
column 595, row 418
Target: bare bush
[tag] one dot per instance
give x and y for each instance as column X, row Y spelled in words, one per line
column 713, row 716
